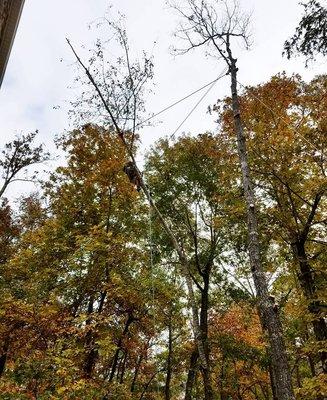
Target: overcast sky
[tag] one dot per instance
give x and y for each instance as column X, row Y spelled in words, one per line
column 36, row 79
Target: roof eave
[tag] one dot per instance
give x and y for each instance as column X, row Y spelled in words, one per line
column 9, row 33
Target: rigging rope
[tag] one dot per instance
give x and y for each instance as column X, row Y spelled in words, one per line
column 182, row 99
column 172, row 136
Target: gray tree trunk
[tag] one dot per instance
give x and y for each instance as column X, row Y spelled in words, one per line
column 269, row 317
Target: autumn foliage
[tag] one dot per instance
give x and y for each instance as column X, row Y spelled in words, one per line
column 93, row 305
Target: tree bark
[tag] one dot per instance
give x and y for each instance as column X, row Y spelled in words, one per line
column 122, row 368
column 191, row 375
column 208, row 393
column 136, row 372
column 169, row 357
column 91, row 354
column 4, row 355
column 269, row 318
column 309, row 289
column 272, row 382
column 114, row 364
column 206, row 373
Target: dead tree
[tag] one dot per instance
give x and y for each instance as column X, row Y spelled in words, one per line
column 215, row 25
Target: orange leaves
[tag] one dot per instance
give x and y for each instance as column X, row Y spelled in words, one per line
column 239, row 352
column 240, row 322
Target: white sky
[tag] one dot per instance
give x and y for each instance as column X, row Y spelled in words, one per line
column 36, row 80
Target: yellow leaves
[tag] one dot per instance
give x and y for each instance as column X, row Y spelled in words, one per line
column 313, row 388
column 106, row 347
column 239, row 352
column 73, row 386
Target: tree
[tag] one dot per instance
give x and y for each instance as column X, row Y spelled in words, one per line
column 9, row 232
column 201, row 26
column 105, row 106
column 287, row 142
column 186, row 179
column 310, row 38
column 76, row 293
column 17, row 156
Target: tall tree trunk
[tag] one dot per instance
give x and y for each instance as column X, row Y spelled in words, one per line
column 269, row 318
column 123, row 368
column 4, row 355
column 206, row 374
column 91, row 353
column 272, row 382
column 191, row 375
column 309, row 289
column 136, row 372
column 169, row 357
column 114, row 364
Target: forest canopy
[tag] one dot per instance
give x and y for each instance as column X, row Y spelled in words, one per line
column 199, row 274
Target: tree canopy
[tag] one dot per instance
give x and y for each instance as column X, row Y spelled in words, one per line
column 196, row 274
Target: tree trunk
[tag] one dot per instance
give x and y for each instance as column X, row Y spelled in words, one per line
column 169, row 357
column 123, row 368
column 3, row 188
column 4, row 355
column 91, row 353
column 272, row 382
column 269, row 318
column 136, row 372
column 191, row 375
column 309, row 289
column 114, row 364
column 206, row 374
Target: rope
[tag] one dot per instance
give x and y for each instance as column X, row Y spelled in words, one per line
column 198, row 102
column 180, row 100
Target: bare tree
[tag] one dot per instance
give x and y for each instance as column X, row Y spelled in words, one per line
column 114, row 107
column 216, row 25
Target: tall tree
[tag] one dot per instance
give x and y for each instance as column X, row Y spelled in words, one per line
column 287, row 143
column 105, row 100
column 203, row 26
column 77, row 289
column 187, row 178
column 16, row 157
